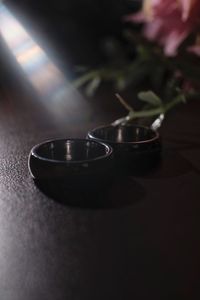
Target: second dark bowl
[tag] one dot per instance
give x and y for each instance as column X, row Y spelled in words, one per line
column 135, row 147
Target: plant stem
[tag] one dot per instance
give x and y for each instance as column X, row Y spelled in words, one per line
column 173, row 103
column 85, row 78
column 124, row 103
column 156, row 111
column 146, row 113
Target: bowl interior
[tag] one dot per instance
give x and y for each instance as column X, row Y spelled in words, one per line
column 124, row 134
column 72, row 150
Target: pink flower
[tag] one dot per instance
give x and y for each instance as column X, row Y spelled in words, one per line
column 169, row 22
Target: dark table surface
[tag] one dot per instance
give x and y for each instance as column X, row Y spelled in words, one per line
column 144, row 246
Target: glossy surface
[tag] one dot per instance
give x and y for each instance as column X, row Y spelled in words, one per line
column 136, row 148
column 71, row 151
column 70, row 164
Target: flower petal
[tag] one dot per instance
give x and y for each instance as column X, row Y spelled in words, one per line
column 186, row 6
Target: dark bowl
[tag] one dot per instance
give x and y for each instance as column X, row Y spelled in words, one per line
column 135, row 147
column 71, row 164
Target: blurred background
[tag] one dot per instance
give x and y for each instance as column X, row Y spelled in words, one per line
column 73, row 32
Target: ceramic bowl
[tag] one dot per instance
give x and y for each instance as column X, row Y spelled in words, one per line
column 135, row 147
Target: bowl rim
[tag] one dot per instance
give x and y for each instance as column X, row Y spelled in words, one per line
column 33, row 152
column 92, row 137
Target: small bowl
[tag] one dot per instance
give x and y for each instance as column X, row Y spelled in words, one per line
column 71, row 163
column 135, row 147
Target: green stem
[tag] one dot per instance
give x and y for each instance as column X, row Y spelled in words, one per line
column 156, row 111
column 108, row 73
column 146, row 113
column 124, row 103
column 177, row 100
column 85, row 78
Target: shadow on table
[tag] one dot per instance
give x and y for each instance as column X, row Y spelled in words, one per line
column 124, row 191
column 172, row 164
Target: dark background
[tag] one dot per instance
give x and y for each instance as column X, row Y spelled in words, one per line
column 67, row 26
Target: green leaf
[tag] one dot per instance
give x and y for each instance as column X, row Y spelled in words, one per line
column 183, row 98
column 121, row 83
column 92, row 86
column 90, row 76
column 150, row 97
